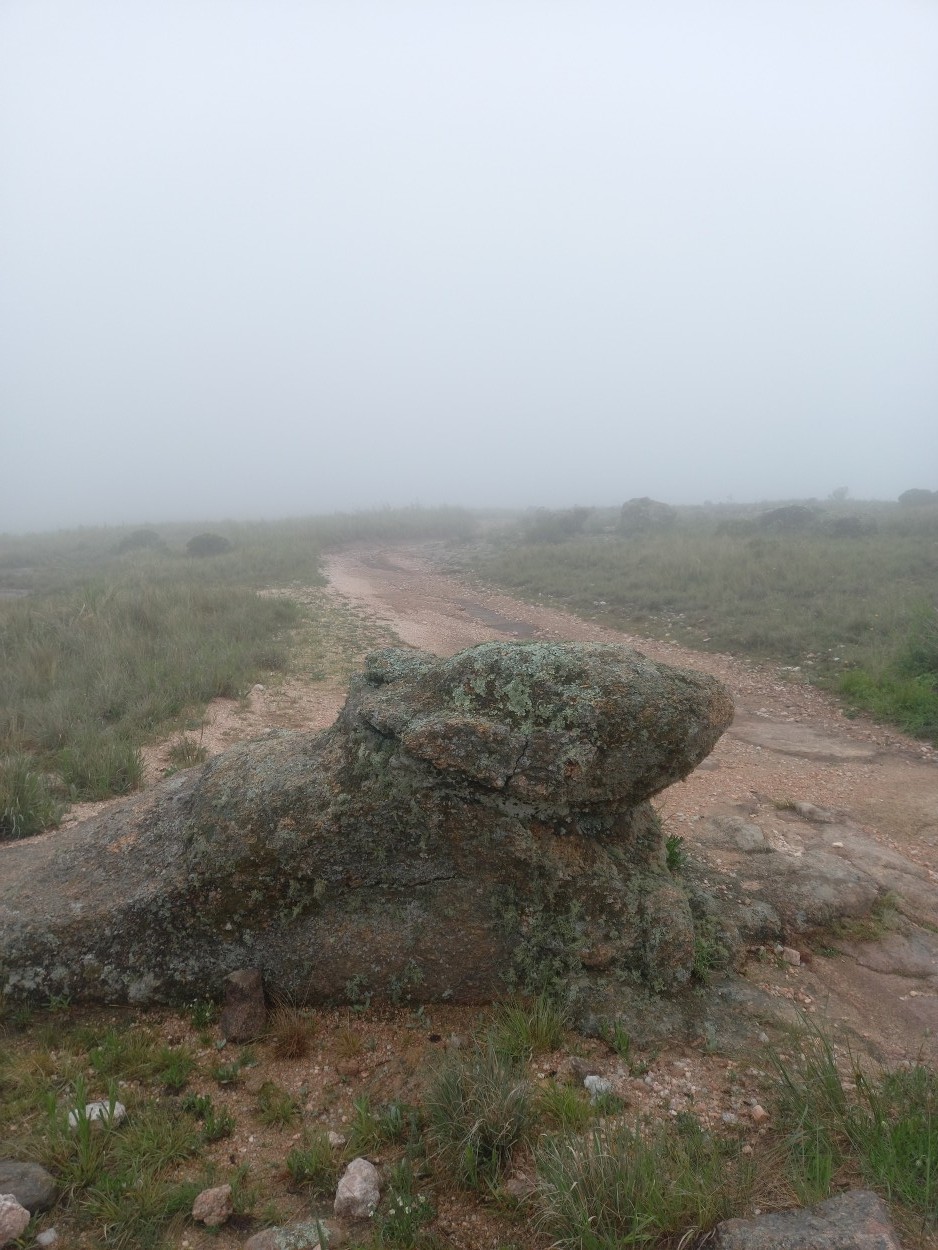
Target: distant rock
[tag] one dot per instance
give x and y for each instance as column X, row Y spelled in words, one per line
column 208, row 545
column 641, row 516
column 918, row 497
column 99, row 1114
column 467, row 825
column 213, row 1207
column 787, row 520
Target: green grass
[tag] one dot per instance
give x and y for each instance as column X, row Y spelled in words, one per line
column 275, row 1106
column 563, row 1107
column 856, row 612
column 28, row 803
column 480, row 1109
column 884, row 1126
column 314, row 1165
column 120, row 641
column 372, row 1127
column 528, row 1027
column 601, row 1182
column 625, row 1185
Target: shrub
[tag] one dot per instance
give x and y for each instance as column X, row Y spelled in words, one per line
column 479, row 1109
column 313, row 1165
column 522, row 1029
column 27, row 803
column 140, row 540
column 622, row 1185
column 208, row 545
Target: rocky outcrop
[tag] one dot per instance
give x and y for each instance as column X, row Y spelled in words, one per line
column 644, row 515
column 466, row 825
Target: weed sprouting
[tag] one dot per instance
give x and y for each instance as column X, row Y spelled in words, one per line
column 623, row 1185
column 313, row 1165
column 675, row 853
column 275, row 1106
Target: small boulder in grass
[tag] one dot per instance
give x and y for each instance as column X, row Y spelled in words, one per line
column 244, row 1015
column 359, row 1191
column 30, row 1184
column 13, row 1219
column 213, row 1206
column 100, row 1114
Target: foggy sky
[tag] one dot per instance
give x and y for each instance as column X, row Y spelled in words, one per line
column 281, row 257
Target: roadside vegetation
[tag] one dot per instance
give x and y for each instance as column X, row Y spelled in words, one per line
column 839, row 594
column 110, row 639
column 500, row 1107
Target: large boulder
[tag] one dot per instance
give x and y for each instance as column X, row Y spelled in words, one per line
column 644, row 515
column 466, row 825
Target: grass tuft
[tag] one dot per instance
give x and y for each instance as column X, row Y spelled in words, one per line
column 624, row 1185
column 527, row 1027
column 479, row 1108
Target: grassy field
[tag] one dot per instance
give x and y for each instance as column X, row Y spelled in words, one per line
column 601, row 1177
column 848, row 599
column 110, row 639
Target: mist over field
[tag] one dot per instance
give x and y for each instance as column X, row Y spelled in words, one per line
column 262, row 260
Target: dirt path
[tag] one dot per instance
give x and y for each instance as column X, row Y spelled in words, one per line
column 876, row 791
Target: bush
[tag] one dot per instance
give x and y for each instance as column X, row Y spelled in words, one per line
column 479, row 1110
column 639, row 516
column 547, row 526
column 917, row 497
column 621, row 1185
column 27, row 803
column 208, row 545
column 140, row 540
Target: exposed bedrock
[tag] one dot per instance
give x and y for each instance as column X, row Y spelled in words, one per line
column 467, row 825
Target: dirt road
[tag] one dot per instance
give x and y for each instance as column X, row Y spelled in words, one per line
column 872, row 793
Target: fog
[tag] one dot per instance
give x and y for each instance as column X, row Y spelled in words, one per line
column 261, row 259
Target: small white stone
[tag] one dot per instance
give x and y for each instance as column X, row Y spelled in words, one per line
column 358, row 1192
column 729, row 1117
column 597, row 1086
column 336, row 1140
column 99, row 1113
column 47, row 1238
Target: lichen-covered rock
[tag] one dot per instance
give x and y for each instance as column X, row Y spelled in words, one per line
column 855, row 1220
column 244, row 1015
column 466, row 825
